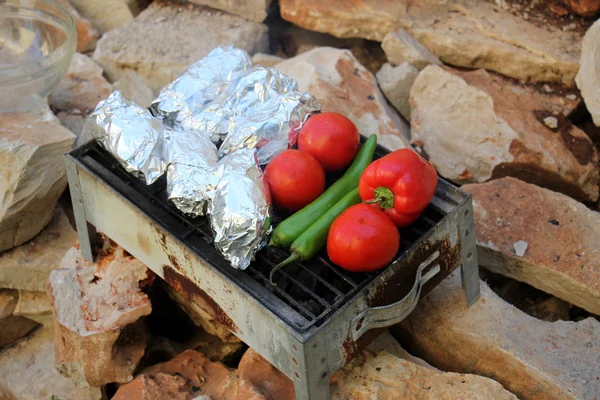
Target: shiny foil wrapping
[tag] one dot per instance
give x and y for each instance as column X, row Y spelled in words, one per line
column 132, row 135
column 192, row 171
column 240, row 210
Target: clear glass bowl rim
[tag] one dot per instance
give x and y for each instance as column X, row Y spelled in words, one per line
column 66, row 20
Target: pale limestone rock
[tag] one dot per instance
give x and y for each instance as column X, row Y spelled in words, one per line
column 266, row 60
column 588, row 77
column 28, row 266
column 97, row 309
column 188, row 375
column 106, row 15
column 533, row 359
column 395, row 82
column 475, row 126
column 344, row 86
column 134, row 89
column 87, row 35
column 12, row 327
column 166, row 38
column 297, row 40
column 254, row 10
column 32, row 172
column 27, row 372
column 35, row 306
column 401, row 47
column 466, row 33
column 82, row 87
column 386, row 342
column 562, row 256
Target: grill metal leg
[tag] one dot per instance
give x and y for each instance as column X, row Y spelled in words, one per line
column 469, row 270
column 312, row 386
column 88, row 237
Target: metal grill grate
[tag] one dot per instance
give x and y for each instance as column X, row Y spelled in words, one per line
column 314, row 289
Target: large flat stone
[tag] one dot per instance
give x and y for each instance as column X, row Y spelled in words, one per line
column 97, row 309
column 344, row 86
column 466, row 33
column 588, row 77
column 166, row 38
column 476, row 126
column 396, row 82
column 28, row 266
column 12, row 327
column 87, row 35
column 561, row 235
column 27, row 372
column 533, row 359
column 401, row 47
column 254, row 10
column 32, row 172
column 105, row 14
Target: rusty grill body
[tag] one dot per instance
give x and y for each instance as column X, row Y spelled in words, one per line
column 319, row 316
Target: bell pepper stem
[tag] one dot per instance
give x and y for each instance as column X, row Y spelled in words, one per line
column 383, row 196
column 285, row 262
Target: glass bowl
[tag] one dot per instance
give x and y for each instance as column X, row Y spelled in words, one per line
column 37, row 41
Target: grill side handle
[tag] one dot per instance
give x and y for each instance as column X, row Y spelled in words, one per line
column 384, row 316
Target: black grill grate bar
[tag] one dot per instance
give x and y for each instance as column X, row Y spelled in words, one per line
column 321, row 280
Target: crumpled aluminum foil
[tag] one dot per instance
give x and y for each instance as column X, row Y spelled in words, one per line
column 132, row 135
column 192, row 171
column 240, row 211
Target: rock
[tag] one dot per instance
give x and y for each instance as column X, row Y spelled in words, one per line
column 133, row 88
column 202, row 314
column 254, row 10
column 266, row 60
column 585, row 8
column 87, row 35
column 533, row 359
column 520, row 248
column 297, row 41
column 477, row 126
column 137, row 6
column 563, row 252
column 588, row 77
column 12, row 327
column 552, row 309
column 551, row 122
column 266, row 378
column 27, row 372
column 32, row 172
column 28, row 266
column 97, row 308
column 395, row 82
column 82, row 87
column 106, row 15
column 73, row 120
column 401, row 47
column 344, row 86
column 183, row 378
column 212, row 347
column 466, row 33
column 35, row 306
column 386, row 342
column 166, row 38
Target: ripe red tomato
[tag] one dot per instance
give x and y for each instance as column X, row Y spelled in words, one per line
column 331, row 138
column 295, row 179
column 362, row 239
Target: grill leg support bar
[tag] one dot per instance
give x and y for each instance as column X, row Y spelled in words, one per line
column 469, row 269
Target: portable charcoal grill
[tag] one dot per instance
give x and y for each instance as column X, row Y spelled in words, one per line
column 318, row 317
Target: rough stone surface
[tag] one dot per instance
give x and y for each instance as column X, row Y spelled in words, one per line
column 266, row 60
column 28, row 266
column 254, row 10
column 395, row 82
column 467, row 33
column 585, row 8
column 475, row 126
column 27, row 372
column 533, row 359
column 344, row 86
column 401, row 47
column 133, row 88
column 12, row 327
column 82, row 87
column 35, row 306
column 87, row 35
column 562, row 236
column 185, row 377
column 32, row 172
column 588, row 77
column 265, row 377
column 97, row 308
column 166, row 38
column 106, row 15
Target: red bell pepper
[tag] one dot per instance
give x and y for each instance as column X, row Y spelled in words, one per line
column 402, row 183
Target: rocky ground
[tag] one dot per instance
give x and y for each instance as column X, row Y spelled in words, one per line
column 501, row 96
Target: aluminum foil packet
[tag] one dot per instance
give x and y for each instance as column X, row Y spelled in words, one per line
column 132, row 135
column 192, row 173
column 240, row 210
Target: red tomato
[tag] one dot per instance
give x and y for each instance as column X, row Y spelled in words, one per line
column 295, row 179
column 332, row 138
column 362, row 239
